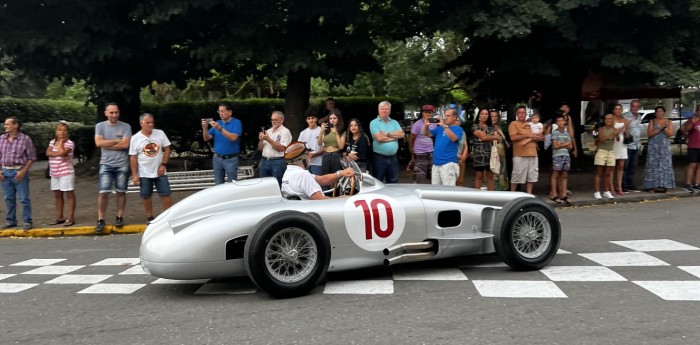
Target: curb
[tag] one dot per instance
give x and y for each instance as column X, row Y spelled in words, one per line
column 73, row 231
column 626, row 199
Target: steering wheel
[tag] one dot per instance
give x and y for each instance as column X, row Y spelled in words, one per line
column 345, row 186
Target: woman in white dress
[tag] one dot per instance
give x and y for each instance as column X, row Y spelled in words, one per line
column 619, row 150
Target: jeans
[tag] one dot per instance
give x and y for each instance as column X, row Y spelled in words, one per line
column 11, row 188
column 630, row 167
column 273, row 168
column 161, row 183
column 117, row 176
column 386, row 167
column 225, row 166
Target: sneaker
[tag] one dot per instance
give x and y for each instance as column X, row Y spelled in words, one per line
column 9, row 226
column 100, row 225
column 597, row 196
column 27, row 226
column 119, row 222
column 689, row 188
column 696, row 187
column 608, row 195
column 149, row 219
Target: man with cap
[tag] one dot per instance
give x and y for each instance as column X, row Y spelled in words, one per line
column 421, row 147
column 299, row 181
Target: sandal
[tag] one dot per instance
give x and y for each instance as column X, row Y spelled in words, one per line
column 566, row 200
column 556, row 199
column 69, row 222
column 57, row 221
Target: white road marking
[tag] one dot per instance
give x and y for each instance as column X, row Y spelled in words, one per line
column 624, row 259
column 673, row 290
column 694, row 270
column 134, row 270
column 173, row 281
column 360, row 287
column 79, row 279
column 112, row 288
column 118, row 262
column 661, row 245
column 57, row 270
column 3, row 276
column 38, row 262
column 13, row 288
column 562, row 251
column 429, row 274
column 581, row 274
column 518, row 289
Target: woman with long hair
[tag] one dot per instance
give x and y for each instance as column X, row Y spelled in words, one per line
column 484, row 134
column 619, row 149
column 500, row 179
column 60, row 154
column 658, row 174
column 357, row 146
column 332, row 138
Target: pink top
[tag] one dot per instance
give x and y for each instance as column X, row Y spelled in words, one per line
column 63, row 165
column 694, row 136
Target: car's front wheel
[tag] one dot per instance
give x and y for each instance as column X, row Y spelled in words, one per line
column 527, row 233
column 288, row 255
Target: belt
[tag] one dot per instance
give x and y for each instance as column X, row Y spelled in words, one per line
column 13, row 167
column 384, row 156
column 332, row 153
column 272, row 159
column 233, row 155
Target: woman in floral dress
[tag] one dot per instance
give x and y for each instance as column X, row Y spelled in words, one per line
column 658, row 175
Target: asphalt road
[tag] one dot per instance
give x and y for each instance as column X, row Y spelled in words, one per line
column 454, row 309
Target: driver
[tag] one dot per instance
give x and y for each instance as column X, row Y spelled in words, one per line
column 299, row 181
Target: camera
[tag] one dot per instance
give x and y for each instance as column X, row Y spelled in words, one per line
column 433, row 120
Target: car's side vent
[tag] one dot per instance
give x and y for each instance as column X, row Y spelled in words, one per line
column 449, row 219
column 235, row 247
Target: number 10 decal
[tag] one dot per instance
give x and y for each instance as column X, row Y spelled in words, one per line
column 374, row 221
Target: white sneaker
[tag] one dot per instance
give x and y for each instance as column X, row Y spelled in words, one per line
column 597, row 196
column 608, row 195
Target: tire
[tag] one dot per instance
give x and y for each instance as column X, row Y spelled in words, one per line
column 300, row 266
column 514, row 240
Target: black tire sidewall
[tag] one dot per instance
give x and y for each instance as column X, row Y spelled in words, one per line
column 503, row 235
column 254, row 254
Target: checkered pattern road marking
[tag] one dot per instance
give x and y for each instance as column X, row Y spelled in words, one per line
column 125, row 276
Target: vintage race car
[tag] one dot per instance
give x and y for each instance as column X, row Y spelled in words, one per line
column 286, row 246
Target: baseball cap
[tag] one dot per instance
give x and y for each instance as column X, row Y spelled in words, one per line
column 427, row 107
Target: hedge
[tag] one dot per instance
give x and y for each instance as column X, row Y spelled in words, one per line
column 46, row 110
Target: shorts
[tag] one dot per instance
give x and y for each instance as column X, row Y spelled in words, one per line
column 117, row 176
column 561, row 163
column 482, row 168
column 524, row 170
column 693, row 155
column 146, row 186
column 604, row 158
column 63, row 183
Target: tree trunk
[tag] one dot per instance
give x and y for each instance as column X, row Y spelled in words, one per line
column 296, row 100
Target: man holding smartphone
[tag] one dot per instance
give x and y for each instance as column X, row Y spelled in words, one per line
column 447, row 134
column 226, row 134
column 421, row 147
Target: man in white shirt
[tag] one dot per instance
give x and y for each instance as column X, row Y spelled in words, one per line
column 149, row 153
column 272, row 143
column 299, row 181
column 310, row 137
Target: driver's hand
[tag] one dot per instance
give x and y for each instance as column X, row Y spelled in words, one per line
column 347, row 172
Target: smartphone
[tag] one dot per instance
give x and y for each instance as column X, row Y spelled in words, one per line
column 262, row 129
column 208, row 119
column 433, row 120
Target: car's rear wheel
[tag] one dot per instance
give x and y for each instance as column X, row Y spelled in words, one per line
column 288, row 255
column 527, row 233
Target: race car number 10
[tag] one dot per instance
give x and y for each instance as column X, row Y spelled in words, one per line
column 374, row 221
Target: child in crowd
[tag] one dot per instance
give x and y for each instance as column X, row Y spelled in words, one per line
column 561, row 161
column 605, row 157
column 535, row 126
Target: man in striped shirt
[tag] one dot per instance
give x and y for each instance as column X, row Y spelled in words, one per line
column 17, row 154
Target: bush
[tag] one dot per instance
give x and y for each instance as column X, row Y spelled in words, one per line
column 42, row 133
column 46, row 110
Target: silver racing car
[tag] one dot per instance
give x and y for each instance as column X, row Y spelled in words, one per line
column 286, row 245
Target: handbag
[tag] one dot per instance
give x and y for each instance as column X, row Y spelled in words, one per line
column 495, row 161
column 627, row 139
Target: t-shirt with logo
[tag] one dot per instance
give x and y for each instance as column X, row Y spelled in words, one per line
column 149, row 151
column 61, row 165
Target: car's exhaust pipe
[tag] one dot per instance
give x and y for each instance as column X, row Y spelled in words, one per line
column 408, row 257
column 402, row 252
column 405, row 247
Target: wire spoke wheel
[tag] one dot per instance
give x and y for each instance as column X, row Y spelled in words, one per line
column 291, row 255
column 531, row 234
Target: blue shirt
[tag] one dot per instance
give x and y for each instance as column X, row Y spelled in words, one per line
column 223, row 145
column 446, row 149
column 376, row 126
